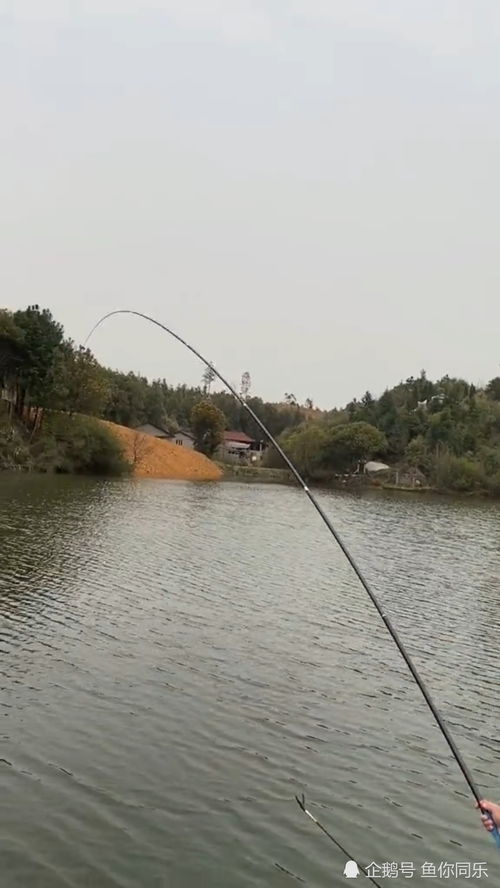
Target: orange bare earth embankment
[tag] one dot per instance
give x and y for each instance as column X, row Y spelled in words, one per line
column 154, row 458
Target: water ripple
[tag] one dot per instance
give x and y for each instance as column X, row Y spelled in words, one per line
column 179, row 660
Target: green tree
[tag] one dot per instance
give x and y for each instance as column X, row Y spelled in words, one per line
column 42, row 336
column 305, row 447
column 418, row 455
column 128, row 396
column 12, row 352
column 366, row 411
column 355, row 442
column 493, row 389
column 443, row 429
column 80, row 384
column 156, row 412
column 207, row 424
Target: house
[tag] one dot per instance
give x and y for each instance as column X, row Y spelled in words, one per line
column 182, row 438
column 237, row 440
column 156, row 432
column 239, row 447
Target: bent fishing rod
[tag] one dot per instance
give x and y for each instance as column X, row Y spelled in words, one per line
column 340, row 542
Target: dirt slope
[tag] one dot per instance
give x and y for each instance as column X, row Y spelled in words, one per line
column 153, row 458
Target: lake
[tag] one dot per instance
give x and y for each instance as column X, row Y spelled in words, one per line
column 178, row 660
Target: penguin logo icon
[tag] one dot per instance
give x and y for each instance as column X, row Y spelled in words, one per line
column 351, row 870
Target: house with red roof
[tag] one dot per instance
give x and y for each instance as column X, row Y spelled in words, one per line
column 239, row 447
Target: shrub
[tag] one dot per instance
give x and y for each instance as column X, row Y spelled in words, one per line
column 417, row 454
column 493, row 484
column 459, row 473
column 78, row 444
column 14, row 449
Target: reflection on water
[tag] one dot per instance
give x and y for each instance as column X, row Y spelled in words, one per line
column 179, row 660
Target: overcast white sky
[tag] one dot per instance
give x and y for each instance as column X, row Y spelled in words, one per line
column 308, row 190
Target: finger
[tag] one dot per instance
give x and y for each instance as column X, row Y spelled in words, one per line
column 485, row 805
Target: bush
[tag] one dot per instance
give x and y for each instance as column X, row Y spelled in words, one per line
column 417, row 454
column 305, row 445
column 493, row 484
column 271, row 458
column 78, row 444
column 490, row 459
column 459, row 473
column 14, row 449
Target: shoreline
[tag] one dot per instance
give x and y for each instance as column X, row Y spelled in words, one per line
column 257, row 475
column 282, row 477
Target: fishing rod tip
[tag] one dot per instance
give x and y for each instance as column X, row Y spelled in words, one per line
column 301, row 801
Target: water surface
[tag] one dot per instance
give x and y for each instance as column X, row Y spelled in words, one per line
column 177, row 661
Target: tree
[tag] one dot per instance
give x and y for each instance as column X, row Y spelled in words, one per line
column 207, row 424
column 493, row 389
column 305, row 447
column 141, row 447
column 355, row 442
column 246, row 383
column 418, row 455
column 42, row 336
column 155, row 406
column 207, row 379
column 12, row 352
column 290, row 399
column 128, row 396
column 308, row 404
column 8, row 327
column 79, row 384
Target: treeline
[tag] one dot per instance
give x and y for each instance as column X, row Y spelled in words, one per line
column 132, row 400
column 47, row 382
column 50, row 371
column 447, row 430
column 45, row 376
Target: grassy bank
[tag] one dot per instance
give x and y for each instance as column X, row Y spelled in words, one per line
column 64, row 444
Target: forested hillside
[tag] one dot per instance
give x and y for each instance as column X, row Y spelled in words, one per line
column 447, row 429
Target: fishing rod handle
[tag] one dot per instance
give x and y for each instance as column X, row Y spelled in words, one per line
column 495, row 833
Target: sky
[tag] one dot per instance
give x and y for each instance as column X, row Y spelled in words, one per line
column 306, row 190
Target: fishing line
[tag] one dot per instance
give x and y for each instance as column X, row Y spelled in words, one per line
column 301, row 801
column 352, row 561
